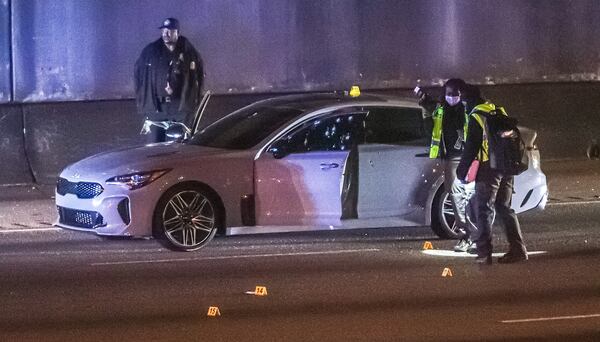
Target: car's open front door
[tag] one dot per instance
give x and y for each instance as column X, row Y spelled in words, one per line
column 301, row 184
column 299, row 189
column 395, row 175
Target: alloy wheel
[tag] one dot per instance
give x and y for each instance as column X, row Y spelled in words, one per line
column 447, row 215
column 188, row 219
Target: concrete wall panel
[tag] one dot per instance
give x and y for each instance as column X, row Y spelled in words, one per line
column 59, row 134
column 5, row 46
column 85, row 49
column 14, row 167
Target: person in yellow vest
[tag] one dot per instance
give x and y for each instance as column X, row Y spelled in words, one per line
column 493, row 190
column 449, row 122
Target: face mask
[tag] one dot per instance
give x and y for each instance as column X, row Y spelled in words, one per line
column 453, row 100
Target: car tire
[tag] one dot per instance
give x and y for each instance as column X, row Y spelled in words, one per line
column 187, row 217
column 442, row 216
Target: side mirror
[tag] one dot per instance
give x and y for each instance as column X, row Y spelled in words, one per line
column 178, row 132
column 175, row 133
column 279, row 149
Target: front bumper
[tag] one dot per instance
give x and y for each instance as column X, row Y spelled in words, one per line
column 117, row 211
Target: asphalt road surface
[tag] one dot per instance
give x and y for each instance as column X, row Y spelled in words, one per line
column 359, row 285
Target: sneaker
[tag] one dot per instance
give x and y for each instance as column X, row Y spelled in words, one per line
column 484, row 260
column 462, row 245
column 510, row 258
column 472, row 249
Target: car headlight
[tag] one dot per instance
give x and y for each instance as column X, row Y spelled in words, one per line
column 137, row 180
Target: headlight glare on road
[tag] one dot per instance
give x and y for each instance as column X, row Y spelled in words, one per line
column 137, row 180
column 536, row 163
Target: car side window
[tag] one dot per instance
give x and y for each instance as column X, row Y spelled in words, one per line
column 333, row 133
column 396, row 126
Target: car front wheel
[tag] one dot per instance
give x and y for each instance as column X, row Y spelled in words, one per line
column 187, row 218
column 443, row 222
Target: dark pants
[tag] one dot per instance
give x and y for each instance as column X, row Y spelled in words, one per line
column 493, row 191
column 155, row 135
column 169, row 111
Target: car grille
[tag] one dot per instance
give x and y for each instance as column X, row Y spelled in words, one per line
column 80, row 189
column 79, row 218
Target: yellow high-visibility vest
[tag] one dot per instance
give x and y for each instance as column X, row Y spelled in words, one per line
column 484, row 152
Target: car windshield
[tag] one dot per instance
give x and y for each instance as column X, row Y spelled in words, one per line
column 246, row 127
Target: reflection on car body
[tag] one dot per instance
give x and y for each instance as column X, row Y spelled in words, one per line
column 299, row 162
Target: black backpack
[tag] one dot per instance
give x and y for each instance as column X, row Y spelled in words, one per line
column 505, row 143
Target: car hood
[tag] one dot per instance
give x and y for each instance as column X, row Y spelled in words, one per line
column 140, row 158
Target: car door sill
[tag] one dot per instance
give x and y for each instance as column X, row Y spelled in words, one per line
column 383, row 222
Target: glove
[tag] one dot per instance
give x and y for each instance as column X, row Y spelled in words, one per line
column 460, row 182
column 146, row 127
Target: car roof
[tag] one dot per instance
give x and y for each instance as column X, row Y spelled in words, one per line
column 313, row 101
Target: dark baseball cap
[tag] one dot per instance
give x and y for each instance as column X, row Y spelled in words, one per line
column 170, row 23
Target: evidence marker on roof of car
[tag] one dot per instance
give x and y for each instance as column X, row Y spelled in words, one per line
column 354, row 91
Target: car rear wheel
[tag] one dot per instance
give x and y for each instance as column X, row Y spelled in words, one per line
column 443, row 222
column 187, row 218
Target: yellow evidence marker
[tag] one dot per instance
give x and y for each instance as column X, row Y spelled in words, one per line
column 354, row 91
column 447, row 272
column 427, row 245
column 213, row 311
column 258, row 291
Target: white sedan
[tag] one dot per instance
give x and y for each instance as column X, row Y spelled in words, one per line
column 299, row 162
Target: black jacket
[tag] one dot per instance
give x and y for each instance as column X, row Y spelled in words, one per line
column 146, row 89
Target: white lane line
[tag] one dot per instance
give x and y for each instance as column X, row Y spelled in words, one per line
column 544, row 319
column 235, row 257
column 83, row 252
column 448, row 253
column 572, row 203
column 27, row 230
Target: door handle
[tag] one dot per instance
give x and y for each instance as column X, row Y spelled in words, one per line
column 327, row 166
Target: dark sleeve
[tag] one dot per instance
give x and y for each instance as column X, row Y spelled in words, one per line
column 197, row 75
column 428, row 103
column 472, row 147
column 138, row 74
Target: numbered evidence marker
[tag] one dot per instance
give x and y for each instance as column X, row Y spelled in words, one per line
column 427, row 245
column 213, row 311
column 447, row 272
column 258, row 291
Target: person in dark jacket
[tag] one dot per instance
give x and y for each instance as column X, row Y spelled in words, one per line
column 493, row 190
column 168, row 79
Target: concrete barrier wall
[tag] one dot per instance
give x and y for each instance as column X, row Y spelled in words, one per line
column 71, row 50
column 58, row 134
column 5, row 53
column 14, row 166
column 564, row 114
